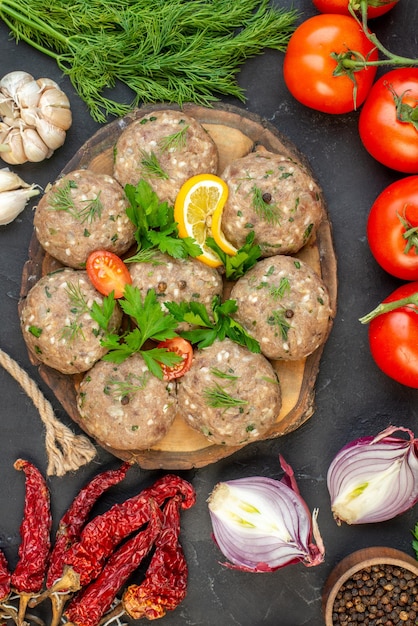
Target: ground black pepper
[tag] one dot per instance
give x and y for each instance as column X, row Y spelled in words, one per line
column 380, row 595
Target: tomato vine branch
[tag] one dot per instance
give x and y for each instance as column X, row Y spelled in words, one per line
column 386, row 307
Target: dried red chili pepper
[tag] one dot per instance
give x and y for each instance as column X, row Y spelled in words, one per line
column 73, row 520
column 5, row 577
column 102, row 534
column 89, row 606
column 165, row 584
column 35, row 530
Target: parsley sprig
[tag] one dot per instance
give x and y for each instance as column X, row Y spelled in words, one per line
column 208, row 330
column 245, row 258
column 155, row 225
column 151, row 323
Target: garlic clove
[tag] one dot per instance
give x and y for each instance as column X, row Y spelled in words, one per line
column 15, row 154
column 28, row 95
column 55, row 107
column 9, row 180
column 28, row 116
column 53, row 136
column 47, row 83
column 13, row 202
column 13, row 80
column 7, row 107
column 35, row 149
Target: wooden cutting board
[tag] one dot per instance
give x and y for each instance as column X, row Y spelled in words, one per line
column 236, row 133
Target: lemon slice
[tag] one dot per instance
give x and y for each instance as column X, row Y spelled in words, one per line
column 199, row 204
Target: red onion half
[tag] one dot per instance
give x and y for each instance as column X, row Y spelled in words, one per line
column 373, row 479
column 261, row 524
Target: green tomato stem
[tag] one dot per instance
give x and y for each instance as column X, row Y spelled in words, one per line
column 387, row 307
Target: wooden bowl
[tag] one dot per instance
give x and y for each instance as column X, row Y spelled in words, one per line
column 353, row 564
column 236, row 133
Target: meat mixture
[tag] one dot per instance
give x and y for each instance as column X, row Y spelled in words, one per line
column 81, row 212
column 124, row 406
column 285, row 305
column 276, row 198
column 166, row 149
column 57, row 325
column 230, row 395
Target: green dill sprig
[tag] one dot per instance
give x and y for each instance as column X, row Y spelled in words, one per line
column 155, row 226
column 172, row 51
column 218, row 398
column 265, row 209
column 177, row 140
column 151, row 166
column 281, row 290
column 225, row 375
column 278, row 318
column 61, row 200
column 218, row 325
column 238, row 264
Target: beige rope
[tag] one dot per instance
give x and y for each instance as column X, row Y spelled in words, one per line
column 66, row 451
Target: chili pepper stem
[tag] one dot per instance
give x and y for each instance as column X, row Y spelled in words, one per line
column 23, row 605
column 386, row 307
column 58, row 601
column 69, row 582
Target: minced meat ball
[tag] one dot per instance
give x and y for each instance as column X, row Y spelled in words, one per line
column 273, row 196
column 285, row 305
column 230, row 395
column 124, row 406
column 177, row 280
column 81, row 212
column 165, row 148
column 57, row 325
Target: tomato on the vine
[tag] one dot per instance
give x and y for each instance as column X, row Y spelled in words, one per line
column 375, row 8
column 388, row 122
column 393, row 334
column 107, row 272
column 392, row 228
column 312, row 74
column 184, row 349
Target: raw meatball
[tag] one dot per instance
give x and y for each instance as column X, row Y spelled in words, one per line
column 83, row 211
column 230, row 395
column 285, row 305
column 276, row 198
column 165, row 148
column 57, row 325
column 124, row 406
column 177, row 280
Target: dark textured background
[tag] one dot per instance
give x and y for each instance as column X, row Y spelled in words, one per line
column 353, row 398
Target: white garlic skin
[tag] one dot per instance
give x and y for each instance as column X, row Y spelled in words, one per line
column 35, row 115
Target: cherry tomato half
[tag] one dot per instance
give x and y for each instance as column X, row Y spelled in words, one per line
column 393, row 338
column 108, row 272
column 392, row 228
column 375, row 8
column 387, row 126
column 183, row 348
column 308, row 65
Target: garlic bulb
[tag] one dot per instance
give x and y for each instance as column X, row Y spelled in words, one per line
column 35, row 115
column 14, row 195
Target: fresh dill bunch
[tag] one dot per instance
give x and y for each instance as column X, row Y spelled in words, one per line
column 162, row 50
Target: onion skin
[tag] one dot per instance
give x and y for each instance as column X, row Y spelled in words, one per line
column 261, row 524
column 374, row 479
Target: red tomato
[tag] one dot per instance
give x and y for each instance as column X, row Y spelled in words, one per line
column 386, row 129
column 392, row 228
column 393, row 338
column 183, row 348
column 308, row 65
column 375, row 7
column 108, row 272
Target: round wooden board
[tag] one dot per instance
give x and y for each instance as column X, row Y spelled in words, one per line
column 236, row 132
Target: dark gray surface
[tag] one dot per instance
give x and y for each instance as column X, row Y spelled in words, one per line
column 353, row 398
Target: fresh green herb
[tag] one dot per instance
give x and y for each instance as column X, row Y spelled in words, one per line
column 61, row 200
column 151, row 323
column 245, row 258
column 151, row 166
column 155, row 225
column 218, row 398
column 171, row 51
column 72, row 330
column 281, row 290
column 77, row 299
column 132, row 384
column 278, row 318
column 102, row 314
column 415, row 540
column 265, row 209
column 36, row 331
column 177, row 140
column 210, row 328
column 226, row 375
